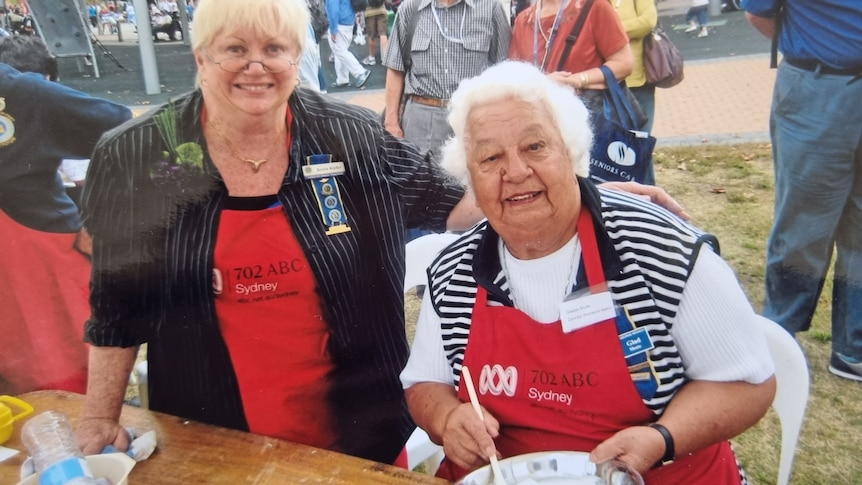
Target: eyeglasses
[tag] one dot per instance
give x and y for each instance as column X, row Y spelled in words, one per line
column 238, row 64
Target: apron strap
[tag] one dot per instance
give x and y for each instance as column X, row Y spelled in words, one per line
column 590, row 252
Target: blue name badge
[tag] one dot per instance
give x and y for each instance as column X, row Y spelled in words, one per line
column 635, row 342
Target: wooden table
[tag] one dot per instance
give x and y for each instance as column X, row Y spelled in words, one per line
column 189, row 452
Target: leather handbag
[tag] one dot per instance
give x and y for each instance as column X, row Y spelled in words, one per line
column 620, row 153
column 663, row 62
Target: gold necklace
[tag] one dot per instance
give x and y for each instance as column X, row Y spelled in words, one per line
column 255, row 163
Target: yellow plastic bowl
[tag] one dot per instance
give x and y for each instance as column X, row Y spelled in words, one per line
column 113, row 466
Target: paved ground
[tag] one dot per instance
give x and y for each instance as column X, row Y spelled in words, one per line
column 725, row 96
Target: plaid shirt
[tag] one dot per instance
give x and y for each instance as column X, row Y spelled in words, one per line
column 449, row 44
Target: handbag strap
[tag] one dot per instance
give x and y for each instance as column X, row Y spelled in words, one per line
column 573, row 35
column 621, row 104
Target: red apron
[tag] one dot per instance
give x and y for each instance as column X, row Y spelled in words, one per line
column 44, row 291
column 553, row 390
column 271, row 319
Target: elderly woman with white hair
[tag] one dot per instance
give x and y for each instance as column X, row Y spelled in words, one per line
column 592, row 320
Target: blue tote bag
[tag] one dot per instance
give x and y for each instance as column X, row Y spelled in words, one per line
column 620, row 152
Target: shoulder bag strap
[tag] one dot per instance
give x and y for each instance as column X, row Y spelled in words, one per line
column 573, row 35
column 622, row 106
column 406, row 50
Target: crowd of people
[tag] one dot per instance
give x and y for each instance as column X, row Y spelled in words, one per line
column 251, row 232
column 106, row 17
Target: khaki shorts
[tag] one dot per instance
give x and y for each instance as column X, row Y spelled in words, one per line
column 375, row 26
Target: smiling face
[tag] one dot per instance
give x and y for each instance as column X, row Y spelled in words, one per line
column 254, row 90
column 521, row 176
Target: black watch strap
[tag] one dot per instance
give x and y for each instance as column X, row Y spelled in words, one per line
column 669, row 450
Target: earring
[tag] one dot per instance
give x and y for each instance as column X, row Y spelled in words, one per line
column 203, row 82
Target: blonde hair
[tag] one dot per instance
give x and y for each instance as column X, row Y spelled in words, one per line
column 519, row 81
column 266, row 18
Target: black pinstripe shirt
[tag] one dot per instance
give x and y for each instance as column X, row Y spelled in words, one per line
column 153, row 261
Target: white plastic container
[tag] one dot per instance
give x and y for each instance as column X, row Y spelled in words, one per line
column 114, row 467
column 57, row 458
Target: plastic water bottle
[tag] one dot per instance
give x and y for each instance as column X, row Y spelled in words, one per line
column 58, row 460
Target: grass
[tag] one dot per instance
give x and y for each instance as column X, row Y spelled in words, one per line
column 728, row 191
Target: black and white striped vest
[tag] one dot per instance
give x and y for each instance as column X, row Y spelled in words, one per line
column 647, row 255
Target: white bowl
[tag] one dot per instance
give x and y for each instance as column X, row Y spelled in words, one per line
column 554, row 468
column 113, row 466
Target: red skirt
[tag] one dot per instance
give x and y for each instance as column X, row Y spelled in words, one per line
column 44, row 303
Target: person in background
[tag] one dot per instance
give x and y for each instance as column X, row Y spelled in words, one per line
column 341, row 20
column 376, row 22
column 451, row 40
column 130, row 15
column 309, row 65
column 518, row 6
column 539, row 37
column 650, row 350
column 271, row 300
column 44, row 265
column 93, row 12
column 697, row 17
column 639, row 18
column 816, row 131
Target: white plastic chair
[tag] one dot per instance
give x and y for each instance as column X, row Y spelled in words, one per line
column 791, row 396
column 140, row 371
column 420, row 252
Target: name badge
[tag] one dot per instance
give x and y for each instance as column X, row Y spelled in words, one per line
column 321, row 170
column 635, row 342
column 585, row 311
column 327, row 192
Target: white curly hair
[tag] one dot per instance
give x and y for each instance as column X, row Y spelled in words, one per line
column 518, row 81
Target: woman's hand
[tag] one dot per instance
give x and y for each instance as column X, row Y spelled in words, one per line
column 84, row 243
column 93, row 434
column 639, row 447
column 467, row 440
column 656, row 195
column 562, row 77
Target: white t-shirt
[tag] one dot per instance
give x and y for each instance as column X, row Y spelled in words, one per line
column 715, row 329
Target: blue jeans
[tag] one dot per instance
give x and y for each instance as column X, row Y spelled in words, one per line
column 321, row 77
column 700, row 12
column 816, row 130
column 646, row 98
